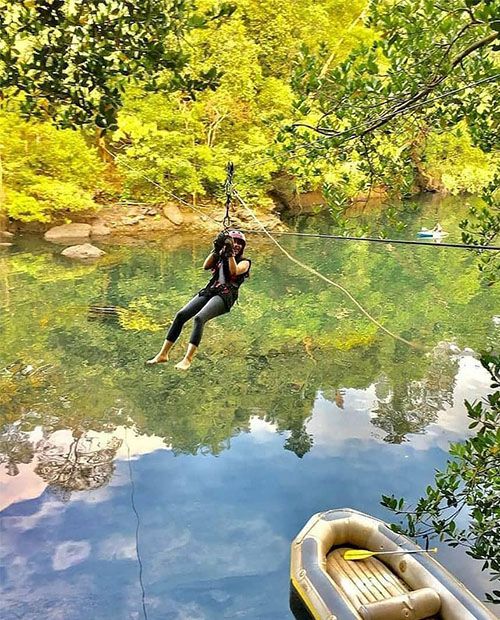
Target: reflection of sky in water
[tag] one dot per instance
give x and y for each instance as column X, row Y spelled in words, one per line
column 215, row 531
column 305, row 373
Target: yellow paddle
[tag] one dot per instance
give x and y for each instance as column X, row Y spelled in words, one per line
column 362, row 554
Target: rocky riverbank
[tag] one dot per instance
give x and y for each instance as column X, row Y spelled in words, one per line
column 139, row 220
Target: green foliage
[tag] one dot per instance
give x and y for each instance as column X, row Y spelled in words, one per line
column 48, row 173
column 470, row 485
column 72, row 60
column 482, row 227
column 360, row 73
column 45, row 199
column 411, row 80
column 460, row 166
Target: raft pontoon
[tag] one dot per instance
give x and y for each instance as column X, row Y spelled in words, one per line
column 399, row 586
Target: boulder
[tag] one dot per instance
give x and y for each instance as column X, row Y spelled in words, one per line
column 99, row 229
column 130, row 221
column 6, row 244
column 84, row 251
column 6, row 234
column 172, row 213
column 68, row 231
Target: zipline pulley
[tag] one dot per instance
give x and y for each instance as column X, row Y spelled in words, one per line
column 228, row 189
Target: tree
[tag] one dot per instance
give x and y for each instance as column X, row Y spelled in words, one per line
column 430, row 67
column 72, row 60
column 469, row 485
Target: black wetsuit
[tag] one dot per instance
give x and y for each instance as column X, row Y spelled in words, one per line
column 217, row 298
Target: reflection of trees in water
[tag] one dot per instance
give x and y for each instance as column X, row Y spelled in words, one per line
column 15, row 448
column 291, row 338
column 80, row 466
column 410, row 406
column 299, row 442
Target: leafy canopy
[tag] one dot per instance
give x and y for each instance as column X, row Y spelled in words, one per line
column 431, row 66
column 470, row 484
column 71, row 59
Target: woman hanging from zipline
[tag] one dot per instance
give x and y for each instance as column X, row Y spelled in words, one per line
column 229, row 269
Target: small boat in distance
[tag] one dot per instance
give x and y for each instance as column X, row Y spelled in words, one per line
column 399, row 581
column 433, row 233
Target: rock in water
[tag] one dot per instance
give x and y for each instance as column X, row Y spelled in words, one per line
column 68, row 231
column 99, row 229
column 172, row 213
column 84, row 251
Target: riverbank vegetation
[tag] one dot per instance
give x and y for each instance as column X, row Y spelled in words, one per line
column 237, row 86
column 468, row 485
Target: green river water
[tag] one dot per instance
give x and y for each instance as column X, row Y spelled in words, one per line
column 129, row 491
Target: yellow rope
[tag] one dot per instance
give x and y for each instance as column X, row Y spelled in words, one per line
column 322, row 277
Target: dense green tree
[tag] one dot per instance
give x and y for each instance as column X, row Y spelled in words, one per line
column 70, row 61
column 48, row 173
column 469, row 484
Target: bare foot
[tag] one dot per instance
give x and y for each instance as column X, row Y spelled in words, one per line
column 183, row 364
column 157, row 359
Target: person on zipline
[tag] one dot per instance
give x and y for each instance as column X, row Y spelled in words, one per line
column 229, row 270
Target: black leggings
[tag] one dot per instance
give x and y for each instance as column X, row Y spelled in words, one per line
column 202, row 309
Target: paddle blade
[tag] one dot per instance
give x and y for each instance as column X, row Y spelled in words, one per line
column 358, row 554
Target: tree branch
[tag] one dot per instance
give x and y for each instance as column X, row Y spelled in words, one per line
column 412, row 102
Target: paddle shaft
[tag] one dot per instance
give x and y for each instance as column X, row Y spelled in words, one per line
column 361, row 554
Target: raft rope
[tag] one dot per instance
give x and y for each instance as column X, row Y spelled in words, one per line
column 322, row 277
column 137, row 552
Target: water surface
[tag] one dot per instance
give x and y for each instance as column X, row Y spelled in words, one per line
column 297, row 403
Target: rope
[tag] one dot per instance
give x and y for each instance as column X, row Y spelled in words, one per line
column 132, row 492
column 231, row 190
column 228, row 188
column 163, row 189
column 322, row 277
column 378, row 240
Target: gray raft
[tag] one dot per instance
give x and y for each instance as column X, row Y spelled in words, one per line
column 399, row 586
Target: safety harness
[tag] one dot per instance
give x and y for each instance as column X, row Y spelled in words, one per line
column 228, row 292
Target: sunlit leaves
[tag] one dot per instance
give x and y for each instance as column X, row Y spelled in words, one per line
column 71, row 61
column 470, row 484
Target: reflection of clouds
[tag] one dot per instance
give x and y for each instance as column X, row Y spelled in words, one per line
column 235, row 550
column 473, row 383
column 332, row 427
column 70, row 553
column 131, row 441
column 49, row 510
column 60, row 461
column 261, row 430
column 117, row 547
column 26, row 485
column 97, row 496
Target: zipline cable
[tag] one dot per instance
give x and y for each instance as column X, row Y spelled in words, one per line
column 228, row 189
column 439, row 244
column 282, row 249
column 322, row 277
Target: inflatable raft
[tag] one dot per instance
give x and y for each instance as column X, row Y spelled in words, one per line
column 400, row 586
